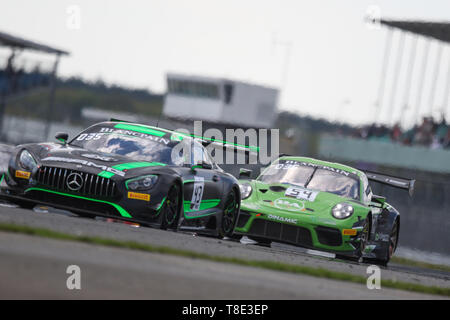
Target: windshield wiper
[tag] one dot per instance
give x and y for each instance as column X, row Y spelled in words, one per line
column 310, row 177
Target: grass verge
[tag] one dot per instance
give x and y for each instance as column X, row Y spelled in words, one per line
column 420, row 264
column 270, row 265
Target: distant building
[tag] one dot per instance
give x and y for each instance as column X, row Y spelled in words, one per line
column 220, row 100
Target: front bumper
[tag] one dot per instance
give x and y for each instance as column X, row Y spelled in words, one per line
column 119, row 207
column 307, row 232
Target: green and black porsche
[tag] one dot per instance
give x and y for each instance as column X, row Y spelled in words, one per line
column 320, row 205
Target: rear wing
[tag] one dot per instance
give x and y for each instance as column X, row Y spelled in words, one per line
column 396, row 182
column 229, row 145
column 222, row 144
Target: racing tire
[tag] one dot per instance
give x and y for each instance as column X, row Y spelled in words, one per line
column 393, row 241
column 170, row 213
column 229, row 216
column 364, row 238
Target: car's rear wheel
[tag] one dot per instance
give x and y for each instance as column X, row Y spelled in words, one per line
column 171, row 209
column 229, row 215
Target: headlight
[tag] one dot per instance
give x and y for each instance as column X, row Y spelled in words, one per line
column 26, row 161
column 342, row 210
column 142, row 183
column 246, row 190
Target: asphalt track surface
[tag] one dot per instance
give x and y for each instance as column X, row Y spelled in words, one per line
column 34, row 267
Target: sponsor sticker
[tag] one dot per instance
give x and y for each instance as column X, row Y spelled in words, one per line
column 349, row 232
column 289, row 204
column 86, row 163
column 23, row 174
column 282, row 219
column 138, row 196
column 98, row 157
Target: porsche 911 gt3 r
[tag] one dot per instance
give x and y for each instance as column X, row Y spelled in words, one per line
column 321, row 205
column 126, row 171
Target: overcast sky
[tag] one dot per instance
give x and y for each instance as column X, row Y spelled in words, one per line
column 332, row 58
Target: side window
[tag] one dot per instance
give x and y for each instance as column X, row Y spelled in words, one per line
column 367, row 191
column 179, row 155
column 197, row 153
column 208, row 158
column 200, row 154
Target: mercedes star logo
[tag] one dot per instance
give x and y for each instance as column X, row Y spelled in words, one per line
column 74, row 181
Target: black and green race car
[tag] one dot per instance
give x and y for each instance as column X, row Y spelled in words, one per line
column 130, row 172
column 320, row 205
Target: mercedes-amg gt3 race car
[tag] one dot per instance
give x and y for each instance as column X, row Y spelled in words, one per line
column 127, row 171
column 320, row 205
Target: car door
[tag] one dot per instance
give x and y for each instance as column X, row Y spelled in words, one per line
column 203, row 186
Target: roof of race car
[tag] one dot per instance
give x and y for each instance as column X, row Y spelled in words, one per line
column 324, row 163
column 173, row 135
column 139, row 128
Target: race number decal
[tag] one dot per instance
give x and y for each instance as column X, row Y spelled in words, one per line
column 301, row 193
column 89, row 136
column 197, row 193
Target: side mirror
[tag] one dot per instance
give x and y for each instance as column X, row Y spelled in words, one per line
column 201, row 165
column 206, row 165
column 379, row 199
column 62, row 136
column 244, row 173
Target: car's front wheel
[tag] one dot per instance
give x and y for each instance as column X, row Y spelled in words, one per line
column 364, row 236
column 363, row 239
column 171, row 209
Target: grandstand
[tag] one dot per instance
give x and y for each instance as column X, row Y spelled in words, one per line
column 404, row 95
column 19, row 75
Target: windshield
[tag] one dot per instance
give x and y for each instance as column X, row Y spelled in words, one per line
column 138, row 148
column 313, row 177
column 291, row 173
column 328, row 181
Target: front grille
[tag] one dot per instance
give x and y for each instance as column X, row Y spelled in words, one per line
column 282, row 232
column 329, row 236
column 92, row 185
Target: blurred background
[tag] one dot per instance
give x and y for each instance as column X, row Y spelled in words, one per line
column 365, row 83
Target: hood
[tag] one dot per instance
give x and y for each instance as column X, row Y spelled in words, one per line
column 99, row 163
column 274, row 196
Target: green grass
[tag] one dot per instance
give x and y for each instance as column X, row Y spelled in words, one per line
column 270, row 265
column 420, row 264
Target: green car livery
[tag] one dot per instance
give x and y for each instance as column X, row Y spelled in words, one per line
column 320, row 205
